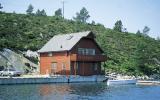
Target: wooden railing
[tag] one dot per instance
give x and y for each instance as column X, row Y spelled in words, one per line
column 77, row 57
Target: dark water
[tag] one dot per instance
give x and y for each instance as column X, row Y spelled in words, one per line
column 78, row 91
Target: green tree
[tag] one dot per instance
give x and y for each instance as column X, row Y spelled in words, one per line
column 0, row 6
column 43, row 12
column 82, row 16
column 58, row 12
column 146, row 30
column 138, row 32
column 158, row 38
column 118, row 26
column 38, row 12
column 93, row 22
column 29, row 11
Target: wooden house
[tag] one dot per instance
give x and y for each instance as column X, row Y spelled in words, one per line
column 72, row 54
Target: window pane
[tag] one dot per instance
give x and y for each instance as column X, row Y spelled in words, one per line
column 86, row 51
column 54, row 66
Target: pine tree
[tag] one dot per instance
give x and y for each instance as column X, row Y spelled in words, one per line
column 146, row 30
column 118, row 26
column 58, row 12
column 1, row 6
column 139, row 33
column 38, row 12
column 43, row 12
column 82, row 16
column 29, row 11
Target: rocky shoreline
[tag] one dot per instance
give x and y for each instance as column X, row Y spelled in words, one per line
column 144, row 77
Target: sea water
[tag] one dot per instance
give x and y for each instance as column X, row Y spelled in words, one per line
column 78, row 91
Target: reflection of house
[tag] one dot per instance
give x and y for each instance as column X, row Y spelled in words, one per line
column 71, row 54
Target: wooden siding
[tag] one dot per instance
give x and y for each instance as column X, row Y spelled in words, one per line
column 77, row 57
column 85, row 68
column 86, row 43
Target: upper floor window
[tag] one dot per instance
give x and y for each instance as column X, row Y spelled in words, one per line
column 86, row 51
column 81, row 51
column 91, row 51
column 50, row 54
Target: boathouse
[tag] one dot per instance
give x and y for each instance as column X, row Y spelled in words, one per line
column 72, row 54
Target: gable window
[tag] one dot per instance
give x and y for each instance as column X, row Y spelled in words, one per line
column 50, row 54
column 91, row 51
column 86, row 51
column 81, row 51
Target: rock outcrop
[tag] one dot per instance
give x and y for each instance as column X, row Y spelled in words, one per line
column 11, row 59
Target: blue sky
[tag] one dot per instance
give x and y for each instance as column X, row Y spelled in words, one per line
column 135, row 14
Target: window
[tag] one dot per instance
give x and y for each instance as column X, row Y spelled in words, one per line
column 54, row 66
column 91, row 51
column 86, row 51
column 50, row 54
column 81, row 51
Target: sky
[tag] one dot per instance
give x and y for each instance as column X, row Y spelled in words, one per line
column 134, row 14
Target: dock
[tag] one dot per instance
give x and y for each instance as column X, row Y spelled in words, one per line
column 53, row 79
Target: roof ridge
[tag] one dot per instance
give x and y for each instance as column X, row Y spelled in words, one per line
column 71, row 33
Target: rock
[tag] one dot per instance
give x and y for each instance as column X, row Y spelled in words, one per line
column 30, row 53
column 9, row 58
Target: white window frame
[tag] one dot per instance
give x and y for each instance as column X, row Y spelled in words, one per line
column 54, row 66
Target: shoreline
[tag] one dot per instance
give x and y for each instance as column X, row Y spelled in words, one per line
column 51, row 79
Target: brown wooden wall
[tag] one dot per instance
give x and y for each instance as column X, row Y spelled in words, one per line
column 85, row 68
column 86, row 43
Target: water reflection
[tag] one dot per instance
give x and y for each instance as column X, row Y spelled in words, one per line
column 87, row 89
column 78, row 91
column 71, row 91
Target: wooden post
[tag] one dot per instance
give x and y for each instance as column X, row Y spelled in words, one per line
column 75, row 68
column 83, row 67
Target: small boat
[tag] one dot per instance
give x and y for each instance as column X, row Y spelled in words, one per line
column 121, row 81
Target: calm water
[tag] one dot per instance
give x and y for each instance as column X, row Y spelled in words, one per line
column 78, row 91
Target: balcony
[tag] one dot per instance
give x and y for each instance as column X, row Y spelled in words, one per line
column 76, row 57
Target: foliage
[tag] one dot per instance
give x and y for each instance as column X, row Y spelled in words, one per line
column 146, row 30
column 1, row 6
column 118, row 26
column 82, row 16
column 127, row 53
column 58, row 12
column 29, row 11
column 41, row 13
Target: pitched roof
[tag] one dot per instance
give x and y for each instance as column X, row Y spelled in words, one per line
column 63, row 42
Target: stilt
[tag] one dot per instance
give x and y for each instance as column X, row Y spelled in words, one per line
column 75, row 68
